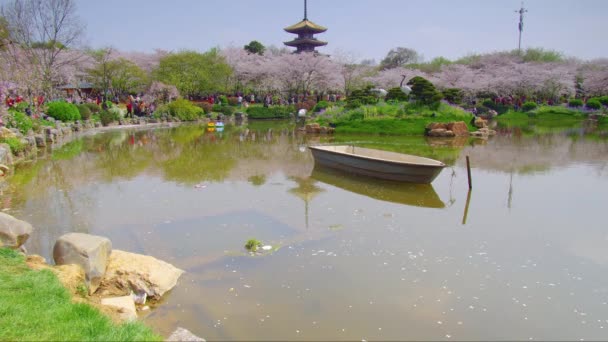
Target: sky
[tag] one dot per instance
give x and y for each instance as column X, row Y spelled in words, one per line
column 365, row 29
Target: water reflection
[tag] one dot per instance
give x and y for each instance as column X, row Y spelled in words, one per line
column 419, row 195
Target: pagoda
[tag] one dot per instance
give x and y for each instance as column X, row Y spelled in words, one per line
column 305, row 29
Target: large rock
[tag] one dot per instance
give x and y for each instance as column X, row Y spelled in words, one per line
column 125, row 306
column 130, row 272
column 7, row 133
column 459, row 128
column 13, row 232
column 436, row 125
column 480, row 123
column 90, row 252
column 6, row 156
column 181, row 334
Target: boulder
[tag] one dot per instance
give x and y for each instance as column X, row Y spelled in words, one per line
column 436, row 125
column 6, row 156
column 13, row 232
column 181, row 334
column 130, row 272
column 6, row 133
column 90, row 252
column 40, row 141
column 480, row 123
column 459, row 128
column 125, row 306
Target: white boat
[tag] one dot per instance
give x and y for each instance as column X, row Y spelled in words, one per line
column 378, row 163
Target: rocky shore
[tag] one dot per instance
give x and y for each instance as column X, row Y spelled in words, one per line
column 118, row 283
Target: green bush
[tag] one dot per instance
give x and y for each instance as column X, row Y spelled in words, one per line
column 223, row 100
column 425, row 92
column 216, row 108
column 85, row 112
column 15, row 144
column 361, row 97
column 528, row 106
column 453, row 95
column 396, row 94
column 206, row 106
column 594, row 104
column 106, row 117
column 93, row 107
column 185, row 110
column 18, row 120
column 21, row 106
column 603, row 100
column 275, row 112
column 63, row 111
column 498, row 107
column 575, row 103
column 233, row 101
column 320, row 106
column 228, row 110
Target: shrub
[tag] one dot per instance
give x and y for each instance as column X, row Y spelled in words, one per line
column 21, row 107
column 603, row 100
column 308, row 105
column 361, row 97
column 396, row 94
column 15, row 144
column 18, row 120
column 85, row 112
column 223, row 100
column 206, row 106
column 233, row 101
column 253, row 245
column 594, row 104
column 528, row 106
column 216, row 108
column 228, row 110
column 453, row 95
column 320, row 106
column 424, row 92
column 106, row 117
column 184, row 110
column 276, row 112
column 93, row 107
column 575, row 103
column 63, row 111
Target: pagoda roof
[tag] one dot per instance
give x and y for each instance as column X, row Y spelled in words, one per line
column 305, row 26
column 305, row 41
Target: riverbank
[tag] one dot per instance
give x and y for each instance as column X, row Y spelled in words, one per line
column 35, row 305
column 547, row 116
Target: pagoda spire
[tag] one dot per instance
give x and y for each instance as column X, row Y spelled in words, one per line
column 305, row 29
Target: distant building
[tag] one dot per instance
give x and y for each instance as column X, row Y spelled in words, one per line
column 305, row 29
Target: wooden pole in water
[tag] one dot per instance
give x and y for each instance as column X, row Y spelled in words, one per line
column 466, row 208
column 469, row 173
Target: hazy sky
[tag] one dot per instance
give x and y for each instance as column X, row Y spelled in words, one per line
column 367, row 28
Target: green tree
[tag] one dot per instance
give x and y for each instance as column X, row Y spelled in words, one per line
column 424, row 92
column 255, row 47
column 194, row 73
column 127, row 77
column 101, row 72
column 400, row 56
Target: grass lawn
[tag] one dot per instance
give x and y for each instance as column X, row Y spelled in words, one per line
column 393, row 119
column 34, row 305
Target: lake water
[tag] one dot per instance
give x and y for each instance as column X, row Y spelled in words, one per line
column 354, row 259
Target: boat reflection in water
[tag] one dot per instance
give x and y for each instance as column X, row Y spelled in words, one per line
column 419, row 195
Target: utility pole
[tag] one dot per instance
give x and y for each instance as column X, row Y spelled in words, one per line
column 521, row 12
